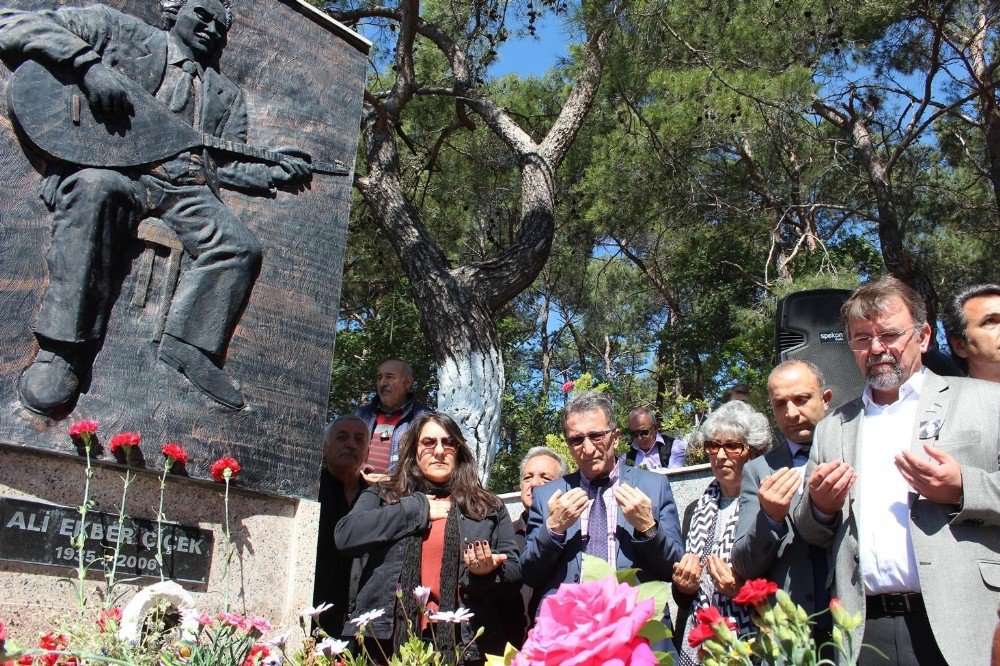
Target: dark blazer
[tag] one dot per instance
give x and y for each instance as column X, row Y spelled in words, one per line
column 373, row 533
column 761, row 551
column 957, row 547
column 548, row 563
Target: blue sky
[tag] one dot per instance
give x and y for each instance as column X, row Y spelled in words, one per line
column 533, row 56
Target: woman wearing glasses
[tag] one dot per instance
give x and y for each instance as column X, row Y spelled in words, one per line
column 731, row 435
column 430, row 525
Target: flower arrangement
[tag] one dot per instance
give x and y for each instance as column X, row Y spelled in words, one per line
column 607, row 618
column 784, row 634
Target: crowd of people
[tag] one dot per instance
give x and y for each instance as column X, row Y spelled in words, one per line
column 890, row 503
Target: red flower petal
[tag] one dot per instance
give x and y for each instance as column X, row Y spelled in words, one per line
column 220, row 466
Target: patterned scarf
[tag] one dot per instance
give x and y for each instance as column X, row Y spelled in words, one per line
column 701, row 540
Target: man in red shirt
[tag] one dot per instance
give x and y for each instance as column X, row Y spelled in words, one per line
column 388, row 416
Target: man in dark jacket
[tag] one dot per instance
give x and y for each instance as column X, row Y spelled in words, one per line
column 388, row 416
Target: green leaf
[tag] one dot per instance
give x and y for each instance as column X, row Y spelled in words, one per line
column 594, row 568
column 656, row 590
column 664, row 658
column 654, row 631
column 629, row 576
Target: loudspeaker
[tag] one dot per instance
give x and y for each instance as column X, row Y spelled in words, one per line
column 807, row 327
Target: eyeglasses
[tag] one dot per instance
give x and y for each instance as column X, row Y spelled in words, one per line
column 428, row 444
column 640, row 433
column 885, row 338
column 732, row 447
column 596, row 438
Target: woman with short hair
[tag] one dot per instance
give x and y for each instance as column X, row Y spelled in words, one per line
column 731, row 436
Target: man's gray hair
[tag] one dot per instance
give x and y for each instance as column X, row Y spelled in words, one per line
column 809, row 365
column 347, row 418
column 590, row 401
column 646, row 410
column 170, row 8
column 738, row 419
column 407, row 368
column 869, row 300
column 538, row 451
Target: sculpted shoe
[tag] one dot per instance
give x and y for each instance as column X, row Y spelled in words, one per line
column 201, row 371
column 50, row 384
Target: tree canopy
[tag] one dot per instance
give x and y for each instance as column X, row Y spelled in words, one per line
column 730, row 153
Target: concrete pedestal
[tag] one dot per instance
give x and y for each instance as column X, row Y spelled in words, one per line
column 271, row 572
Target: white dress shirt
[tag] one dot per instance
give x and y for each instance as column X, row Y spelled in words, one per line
column 883, row 497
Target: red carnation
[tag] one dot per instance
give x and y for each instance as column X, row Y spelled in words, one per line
column 176, row 452
column 3, row 632
column 225, row 468
column 755, row 592
column 257, row 654
column 126, row 439
column 85, row 426
column 707, row 617
column 114, row 614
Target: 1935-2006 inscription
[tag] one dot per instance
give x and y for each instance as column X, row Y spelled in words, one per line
column 44, row 534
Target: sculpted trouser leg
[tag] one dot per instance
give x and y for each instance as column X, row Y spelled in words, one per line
column 213, row 289
column 93, row 211
column 215, row 286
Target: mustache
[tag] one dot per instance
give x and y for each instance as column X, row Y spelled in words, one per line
column 884, row 357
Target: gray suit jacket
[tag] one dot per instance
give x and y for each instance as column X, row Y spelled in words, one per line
column 957, row 548
column 760, row 551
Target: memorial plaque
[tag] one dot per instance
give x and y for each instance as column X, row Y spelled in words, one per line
column 44, row 534
column 171, row 265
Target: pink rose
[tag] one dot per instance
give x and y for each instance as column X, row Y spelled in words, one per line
column 588, row 624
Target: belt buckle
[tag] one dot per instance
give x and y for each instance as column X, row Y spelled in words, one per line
column 896, row 603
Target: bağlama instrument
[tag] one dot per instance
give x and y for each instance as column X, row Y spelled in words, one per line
column 50, row 111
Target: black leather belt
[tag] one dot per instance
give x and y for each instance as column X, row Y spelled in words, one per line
column 900, row 603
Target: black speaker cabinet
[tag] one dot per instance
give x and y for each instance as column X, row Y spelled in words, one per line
column 807, row 328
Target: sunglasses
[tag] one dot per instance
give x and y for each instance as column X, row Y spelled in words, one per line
column 596, row 438
column 449, row 444
column 640, row 433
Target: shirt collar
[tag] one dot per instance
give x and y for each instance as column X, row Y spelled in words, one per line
column 795, row 447
column 175, row 53
column 612, row 479
column 910, row 390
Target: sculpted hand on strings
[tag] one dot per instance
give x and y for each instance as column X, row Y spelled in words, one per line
column 565, row 509
column 294, row 169
column 105, row 92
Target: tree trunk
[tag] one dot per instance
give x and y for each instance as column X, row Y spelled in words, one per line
column 983, row 73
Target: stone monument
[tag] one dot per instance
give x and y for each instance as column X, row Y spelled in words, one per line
column 175, row 179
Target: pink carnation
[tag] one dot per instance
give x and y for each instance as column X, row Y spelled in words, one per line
column 568, row 386
column 588, row 624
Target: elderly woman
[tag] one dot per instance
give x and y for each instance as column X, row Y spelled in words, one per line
column 731, row 435
column 431, row 524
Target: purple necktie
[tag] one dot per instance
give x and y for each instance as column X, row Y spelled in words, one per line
column 597, row 542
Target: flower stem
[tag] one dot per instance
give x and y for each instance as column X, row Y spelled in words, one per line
column 167, row 464
column 229, row 542
column 81, row 537
column 121, row 526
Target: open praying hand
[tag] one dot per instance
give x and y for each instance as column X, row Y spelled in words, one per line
column 480, row 560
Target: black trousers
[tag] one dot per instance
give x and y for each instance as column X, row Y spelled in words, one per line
column 905, row 640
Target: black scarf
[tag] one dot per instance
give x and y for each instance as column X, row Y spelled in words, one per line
column 410, row 577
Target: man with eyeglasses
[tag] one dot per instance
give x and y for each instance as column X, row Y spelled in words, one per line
column 766, row 543
column 904, row 486
column 619, row 513
column 651, row 449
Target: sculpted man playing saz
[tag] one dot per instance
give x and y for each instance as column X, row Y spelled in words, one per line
column 137, row 122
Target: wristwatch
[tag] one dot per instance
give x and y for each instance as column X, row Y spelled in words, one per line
column 650, row 533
